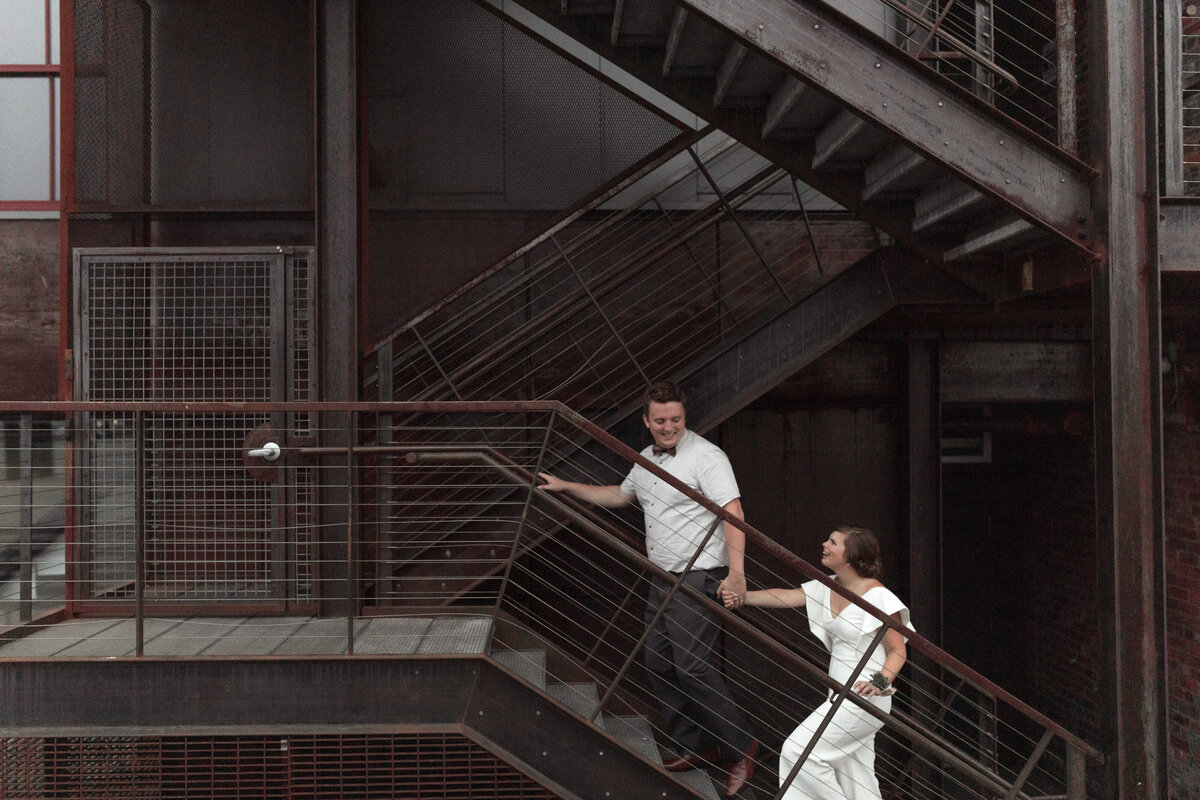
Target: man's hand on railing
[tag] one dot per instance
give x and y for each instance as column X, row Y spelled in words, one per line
column 603, row 496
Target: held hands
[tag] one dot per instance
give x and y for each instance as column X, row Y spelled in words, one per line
column 730, row 598
column 732, row 590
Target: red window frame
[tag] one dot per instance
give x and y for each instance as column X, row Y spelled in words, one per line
column 51, row 71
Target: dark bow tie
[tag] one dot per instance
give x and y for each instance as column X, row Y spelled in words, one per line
column 658, row 451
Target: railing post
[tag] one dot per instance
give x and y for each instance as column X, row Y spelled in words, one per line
column 139, row 533
column 1076, row 773
column 812, row 239
column 1172, row 93
column 600, row 309
column 716, row 289
column 25, row 450
column 384, row 585
column 833, row 709
column 512, row 553
column 351, row 506
column 633, row 653
column 738, row 222
column 613, row 620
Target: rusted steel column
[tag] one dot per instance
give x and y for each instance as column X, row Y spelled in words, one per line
column 1126, row 353
column 1068, row 120
column 337, row 208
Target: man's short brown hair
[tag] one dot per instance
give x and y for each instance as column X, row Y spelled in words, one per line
column 663, row 392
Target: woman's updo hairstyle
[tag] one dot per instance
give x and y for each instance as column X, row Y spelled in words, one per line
column 862, row 550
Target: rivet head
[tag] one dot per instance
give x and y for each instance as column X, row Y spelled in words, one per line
column 1001, row 141
column 878, row 65
column 940, row 103
column 817, row 27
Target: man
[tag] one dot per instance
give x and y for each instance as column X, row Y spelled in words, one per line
column 699, row 714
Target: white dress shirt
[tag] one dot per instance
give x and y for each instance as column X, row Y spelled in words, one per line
column 676, row 524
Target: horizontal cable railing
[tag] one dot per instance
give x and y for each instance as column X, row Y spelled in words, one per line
column 1018, row 56
column 215, row 531
column 693, row 257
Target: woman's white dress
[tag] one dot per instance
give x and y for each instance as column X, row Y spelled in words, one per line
column 842, row 764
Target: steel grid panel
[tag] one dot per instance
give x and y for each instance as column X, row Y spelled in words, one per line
column 316, row 766
column 1190, row 97
column 195, row 327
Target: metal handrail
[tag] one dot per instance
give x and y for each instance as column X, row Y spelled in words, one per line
column 518, row 477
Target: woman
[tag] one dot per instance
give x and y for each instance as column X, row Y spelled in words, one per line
column 841, row 765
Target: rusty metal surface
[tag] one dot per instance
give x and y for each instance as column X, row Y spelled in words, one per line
column 561, row 747
column 1128, row 402
column 1178, row 232
column 29, row 311
column 813, row 326
column 901, row 97
column 138, row 697
column 996, row 372
column 465, row 472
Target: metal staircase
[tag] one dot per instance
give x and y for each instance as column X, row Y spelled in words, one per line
column 433, row 680
column 959, row 163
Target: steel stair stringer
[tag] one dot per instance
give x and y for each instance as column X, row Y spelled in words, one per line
column 720, row 383
column 888, row 278
column 1010, row 189
column 558, row 748
column 724, row 382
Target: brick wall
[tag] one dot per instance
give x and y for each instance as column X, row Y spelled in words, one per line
column 29, row 314
column 1181, row 462
column 1020, row 583
column 1047, row 519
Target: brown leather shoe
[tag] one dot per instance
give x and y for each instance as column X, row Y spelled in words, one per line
column 692, row 760
column 741, row 772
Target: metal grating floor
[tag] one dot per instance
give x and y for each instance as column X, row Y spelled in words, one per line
column 256, row 636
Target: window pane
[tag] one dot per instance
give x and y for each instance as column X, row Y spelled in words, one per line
column 23, row 32
column 54, row 57
column 25, row 141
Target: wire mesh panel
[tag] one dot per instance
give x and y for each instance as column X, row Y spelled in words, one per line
column 1189, row 100
column 176, row 326
column 316, row 766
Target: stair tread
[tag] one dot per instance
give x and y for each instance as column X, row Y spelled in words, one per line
column 529, row 664
column 463, row 635
column 637, row 734
column 582, row 698
column 698, row 780
column 392, row 635
column 459, row 635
